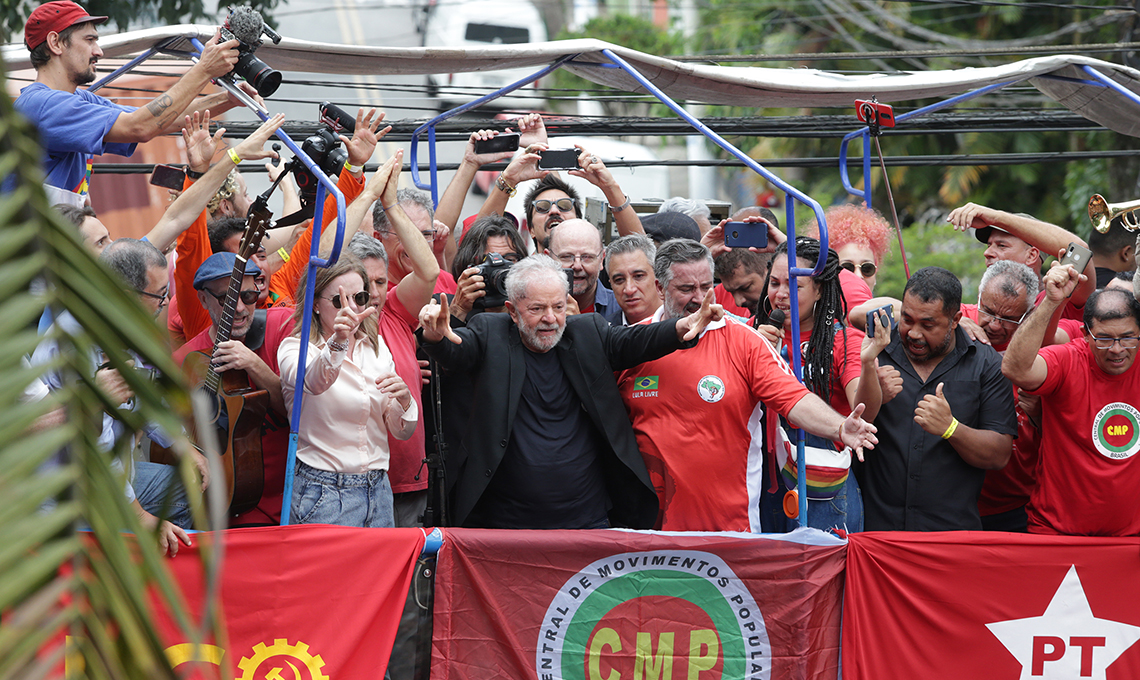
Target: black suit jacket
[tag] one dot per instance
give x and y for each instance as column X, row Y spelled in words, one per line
column 491, row 356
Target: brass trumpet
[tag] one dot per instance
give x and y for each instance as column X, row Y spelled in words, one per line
column 1102, row 213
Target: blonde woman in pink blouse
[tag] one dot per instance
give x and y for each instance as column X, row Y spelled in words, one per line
column 353, row 399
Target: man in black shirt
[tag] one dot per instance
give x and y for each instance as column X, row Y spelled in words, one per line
column 548, row 444
column 953, row 420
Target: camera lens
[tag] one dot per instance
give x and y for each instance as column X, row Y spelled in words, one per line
column 257, row 73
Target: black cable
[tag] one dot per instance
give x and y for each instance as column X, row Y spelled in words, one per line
column 810, row 162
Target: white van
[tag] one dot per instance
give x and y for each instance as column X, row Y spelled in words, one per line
column 480, row 23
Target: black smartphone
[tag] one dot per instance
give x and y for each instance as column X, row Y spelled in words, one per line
column 559, row 159
column 746, row 234
column 168, row 177
column 874, row 314
column 505, row 141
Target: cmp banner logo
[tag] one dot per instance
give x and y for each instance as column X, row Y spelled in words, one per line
column 662, row 614
column 1116, row 431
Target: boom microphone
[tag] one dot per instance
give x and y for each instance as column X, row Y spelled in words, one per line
column 337, row 118
column 246, row 24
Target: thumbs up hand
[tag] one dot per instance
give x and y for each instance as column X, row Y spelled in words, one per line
column 933, row 413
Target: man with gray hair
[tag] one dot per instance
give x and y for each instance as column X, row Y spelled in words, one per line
column 418, row 207
column 548, row 444
column 629, row 263
column 691, row 207
column 151, row 488
column 719, row 386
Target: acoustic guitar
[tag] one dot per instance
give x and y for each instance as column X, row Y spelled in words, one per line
column 237, row 410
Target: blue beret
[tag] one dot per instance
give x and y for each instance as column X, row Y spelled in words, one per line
column 220, row 266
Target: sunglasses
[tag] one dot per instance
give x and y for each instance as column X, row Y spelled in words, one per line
column 543, row 205
column 248, row 297
column 866, row 270
column 361, row 299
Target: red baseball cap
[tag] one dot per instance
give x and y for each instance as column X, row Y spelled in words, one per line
column 57, row 16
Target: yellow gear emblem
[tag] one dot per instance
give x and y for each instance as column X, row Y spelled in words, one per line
column 281, row 647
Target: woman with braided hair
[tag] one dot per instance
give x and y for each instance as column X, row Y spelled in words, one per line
column 839, row 365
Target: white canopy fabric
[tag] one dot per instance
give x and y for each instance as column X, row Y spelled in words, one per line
column 724, row 85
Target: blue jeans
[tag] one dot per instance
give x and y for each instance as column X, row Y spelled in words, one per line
column 159, row 491
column 348, row 500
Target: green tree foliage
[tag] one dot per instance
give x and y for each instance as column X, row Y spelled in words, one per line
column 91, row 588
column 14, row 13
column 1053, row 191
column 633, row 32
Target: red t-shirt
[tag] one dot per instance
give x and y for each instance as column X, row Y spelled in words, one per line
column 397, row 328
column 845, row 365
column 855, row 289
column 275, row 430
column 1088, row 473
column 706, row 466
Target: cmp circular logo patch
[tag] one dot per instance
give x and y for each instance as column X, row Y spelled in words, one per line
column 711, row 388
column 661, row 614
column 1116, row 431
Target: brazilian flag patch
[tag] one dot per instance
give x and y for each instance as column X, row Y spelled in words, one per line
column 645, row 382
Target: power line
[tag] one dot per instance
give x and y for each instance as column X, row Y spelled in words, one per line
column 809, row 162
column 1021, row 5
column 1093, row 48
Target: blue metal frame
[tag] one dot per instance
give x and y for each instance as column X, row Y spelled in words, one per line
column 324, row 186
column 902, row 118
column 430, row 126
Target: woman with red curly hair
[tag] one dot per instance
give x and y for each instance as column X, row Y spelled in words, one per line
column 860, row 236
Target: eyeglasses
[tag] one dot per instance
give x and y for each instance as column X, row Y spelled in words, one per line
column 1128, row 342
column 866, row 270
column 248, row 297
column 428, row 234
column 361, row 299
column 160, row 297
column 542, row 205
column 587, row 259
column 1000, row 319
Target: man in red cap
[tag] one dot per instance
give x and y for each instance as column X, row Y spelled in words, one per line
column 74, row 124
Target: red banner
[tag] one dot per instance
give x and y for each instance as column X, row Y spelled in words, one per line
column 303, row 602
column 991, row 605
column 623, row 605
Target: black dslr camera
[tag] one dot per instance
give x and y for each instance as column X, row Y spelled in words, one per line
column 245, row 25
column 494, row 270
column 324, row 148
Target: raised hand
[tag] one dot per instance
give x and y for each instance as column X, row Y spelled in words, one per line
column 365, row 136
column 481, row 159
column 252, row 147
column 218, row 59
column 691, row 326
column 436, row 322
column 347, row 321
column 200, row 146
column 531, row 130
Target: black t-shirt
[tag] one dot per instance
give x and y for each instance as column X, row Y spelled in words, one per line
column 551, row 473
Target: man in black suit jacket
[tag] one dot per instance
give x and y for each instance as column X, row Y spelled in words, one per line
column 548, row 444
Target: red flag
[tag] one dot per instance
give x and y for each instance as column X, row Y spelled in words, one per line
column 991, row 605
column 623, row 604
column 304, row 602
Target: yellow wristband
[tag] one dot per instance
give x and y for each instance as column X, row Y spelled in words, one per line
column 284, row 255
column 950, row 430
column 235, row 157
column 354, row 169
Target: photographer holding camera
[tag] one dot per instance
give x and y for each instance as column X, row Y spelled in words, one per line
column 489, row 248
column 74, row 124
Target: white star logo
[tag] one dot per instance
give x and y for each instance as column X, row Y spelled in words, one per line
column 1067, row 641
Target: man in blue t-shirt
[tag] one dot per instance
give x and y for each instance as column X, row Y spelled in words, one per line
column 74, row 124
